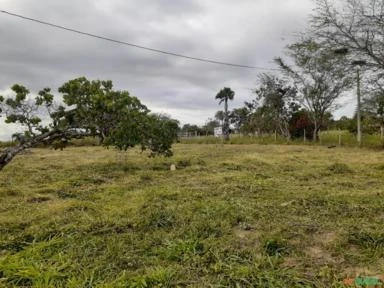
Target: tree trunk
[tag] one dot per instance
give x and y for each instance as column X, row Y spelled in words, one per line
column 100, row 139
column 8, row 154
column 315, row 130
column 284, row 129
column 226, row 124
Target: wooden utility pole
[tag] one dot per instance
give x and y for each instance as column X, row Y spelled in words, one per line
column 358, row 64
column 358, row 107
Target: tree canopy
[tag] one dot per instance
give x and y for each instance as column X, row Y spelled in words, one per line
column 224, row 95
column 354, row 26
column 319, row 77
column 90, row 108
column 277, row 98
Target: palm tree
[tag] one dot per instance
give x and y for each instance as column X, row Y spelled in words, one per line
column 224, row 95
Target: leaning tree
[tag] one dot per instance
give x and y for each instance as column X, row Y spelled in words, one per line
column 90, row 108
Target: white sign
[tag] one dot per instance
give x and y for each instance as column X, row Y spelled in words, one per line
column 218, row 131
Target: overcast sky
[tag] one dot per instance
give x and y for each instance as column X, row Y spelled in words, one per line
column 249, row 32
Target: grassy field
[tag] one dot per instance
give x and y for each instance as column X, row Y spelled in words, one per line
column 229, row 216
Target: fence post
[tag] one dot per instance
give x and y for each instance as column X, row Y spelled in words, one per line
column 339, row 139
column 305, row 136
column 275, row 135
column 382, row 132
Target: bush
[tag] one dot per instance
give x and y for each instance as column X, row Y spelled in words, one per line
column 275, row 247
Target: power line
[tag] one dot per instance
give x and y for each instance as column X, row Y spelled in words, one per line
column 134, row 45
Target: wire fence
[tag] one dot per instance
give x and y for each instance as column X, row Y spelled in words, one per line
column 332, row 138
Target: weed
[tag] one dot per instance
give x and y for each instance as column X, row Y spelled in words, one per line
column 367, row 240
column 158, row 217
column 161, row 166
column 183, row 163
column 146, row 178
column 201, row 162
column 10, row 193
column 159, row 277
column 339, row 168
column 38, row 199
column 276, row 247
column 380, row 167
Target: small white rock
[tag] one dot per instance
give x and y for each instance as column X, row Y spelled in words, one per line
column 173, row 167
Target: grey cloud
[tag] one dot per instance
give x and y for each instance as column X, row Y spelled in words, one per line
column 249, row 32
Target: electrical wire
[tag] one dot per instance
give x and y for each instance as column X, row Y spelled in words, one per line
column 134, row 45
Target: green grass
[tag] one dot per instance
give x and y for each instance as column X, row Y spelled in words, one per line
column 6, row 144
column 326, row 138
column 229, row 216
column 237, row 139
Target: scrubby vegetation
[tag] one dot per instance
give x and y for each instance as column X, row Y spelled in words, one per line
column 229, row 216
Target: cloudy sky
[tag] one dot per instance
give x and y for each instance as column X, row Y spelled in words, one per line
column 249, row 32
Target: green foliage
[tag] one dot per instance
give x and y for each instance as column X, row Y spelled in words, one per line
column 209, row 127
column 320, row 77
column 344, row 123
column 116, row 117
column 183, row 163
column 23, row 269
column 239, row 118
column 159, row 134
column 277, row 104
column 367, row 240
column 156, row 278
column 275, row 247
column 18, row 109
column 101, row 110
column 5, row 144
column 333, row 137
column 224, row 95
column 372, row 112
column 93, row 109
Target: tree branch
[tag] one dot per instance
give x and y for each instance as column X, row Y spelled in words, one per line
column 8, row 154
